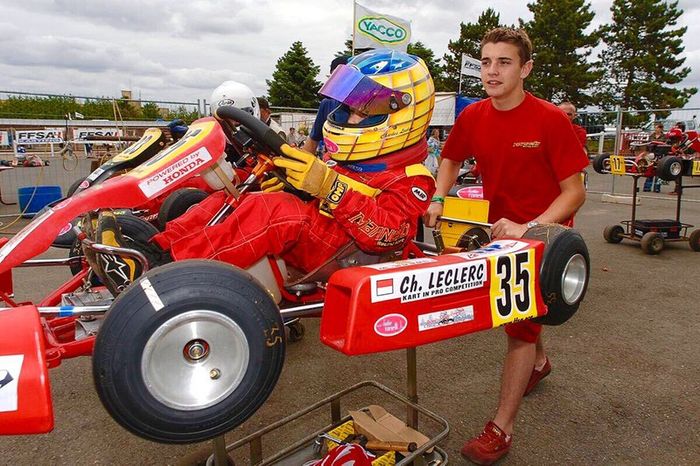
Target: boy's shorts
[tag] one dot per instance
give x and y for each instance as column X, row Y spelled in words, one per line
column 526, row 330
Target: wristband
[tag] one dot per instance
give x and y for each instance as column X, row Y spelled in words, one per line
column 438, row 199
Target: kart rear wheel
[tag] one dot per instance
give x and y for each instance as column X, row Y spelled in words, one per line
column 652, row 243
column 473, row 238
column 694, row 240
column 613, row 233
column 189, row 352
column 178, row 203
column 601, row 164
column 669, row 168
column 564, row 272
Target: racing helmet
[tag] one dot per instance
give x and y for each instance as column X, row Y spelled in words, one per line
column 395, row 93
column 236, row 94
column 675, row 133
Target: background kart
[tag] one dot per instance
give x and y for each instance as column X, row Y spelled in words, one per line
column 206, row 341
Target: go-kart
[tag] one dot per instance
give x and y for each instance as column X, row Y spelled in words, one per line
column 192, row 348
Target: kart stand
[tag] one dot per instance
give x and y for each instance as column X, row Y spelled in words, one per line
column 653, row 234
column 309, row 447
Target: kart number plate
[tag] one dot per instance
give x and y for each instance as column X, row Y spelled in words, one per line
column 696, row 168
column 513, row 287
column 617, row 164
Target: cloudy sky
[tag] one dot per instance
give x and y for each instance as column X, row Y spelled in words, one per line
column 169, row 50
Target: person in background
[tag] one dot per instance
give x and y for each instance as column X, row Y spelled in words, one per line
column 432, row 161
column 292, row 137
column 325, row 108
column 266, row 116
column 530, row 176
column 570, row 110
column 658, row 134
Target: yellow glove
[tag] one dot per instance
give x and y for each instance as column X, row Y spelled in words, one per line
column 306, row 172
column 272, row 185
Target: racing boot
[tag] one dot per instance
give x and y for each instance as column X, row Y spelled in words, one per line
column 115, row 271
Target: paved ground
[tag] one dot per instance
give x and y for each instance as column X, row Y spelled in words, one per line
column 624, row 387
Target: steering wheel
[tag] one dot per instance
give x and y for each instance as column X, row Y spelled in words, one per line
column 259, row 132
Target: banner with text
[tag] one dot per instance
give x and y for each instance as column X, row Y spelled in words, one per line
column 39, row 136
column 82, row 134
column 4, row 140
column 376, row 30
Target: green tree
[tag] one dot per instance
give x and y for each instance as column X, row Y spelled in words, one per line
column 469, row 43
column 428, row 56
column 294, row 81
column 561, row 48
column 348, row 49
column 150, row 111
column 641, row 64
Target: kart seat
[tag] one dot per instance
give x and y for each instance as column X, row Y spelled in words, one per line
column 347, row 256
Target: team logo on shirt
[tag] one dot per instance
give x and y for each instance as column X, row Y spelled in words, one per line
column 419, row 193
column 527, row 144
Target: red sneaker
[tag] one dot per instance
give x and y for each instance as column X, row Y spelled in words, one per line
column 538, row 375
column 488, row 447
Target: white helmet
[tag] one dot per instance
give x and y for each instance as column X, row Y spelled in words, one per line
column 236, row 94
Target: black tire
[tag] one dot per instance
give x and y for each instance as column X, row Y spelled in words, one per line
column 565, row 271
column 652, row 243
column 178, row 203
column 74, row 187
column 613, row 233
column 694, row 240
column 669, row 168
column 473, row 238
column 296, row 331
column 601, row 163
column 140, row 366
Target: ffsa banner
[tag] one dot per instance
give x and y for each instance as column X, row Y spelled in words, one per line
column 40, row 136
column 82, row 134
column 374, row 30
column 471, row 66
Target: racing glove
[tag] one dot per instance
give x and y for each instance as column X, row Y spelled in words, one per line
column 309, row 174
column 272, row 185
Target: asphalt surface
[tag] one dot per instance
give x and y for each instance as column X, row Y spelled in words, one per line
column 623, row 390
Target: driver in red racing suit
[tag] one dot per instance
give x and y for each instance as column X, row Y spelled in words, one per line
column 371, row 189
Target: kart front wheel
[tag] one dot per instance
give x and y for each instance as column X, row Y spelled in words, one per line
column 613, row 233
column 669, row 168
column 564, row 272
column 190, row 351
column 601, row 163
column 178, row 203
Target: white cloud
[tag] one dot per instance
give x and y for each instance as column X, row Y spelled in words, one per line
column 181, row 51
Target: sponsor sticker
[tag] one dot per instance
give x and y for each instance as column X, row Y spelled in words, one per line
column 66, row 228
column 444, row 318
column 419, row 193
column 330, row 146
column 390, row 325
column 10, row 368
column 93, row 176
column 494, row 248
column 402, row 263
column 84, row 184
column 414, row 285
column 165, row 178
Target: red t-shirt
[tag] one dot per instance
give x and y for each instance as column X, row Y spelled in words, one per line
column 580, row 134
column 522, row 154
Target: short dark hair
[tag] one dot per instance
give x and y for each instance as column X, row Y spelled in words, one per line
column 659, row 125
column 337, row 61
column 517, row 37
column 681, row 125
column 263, row 103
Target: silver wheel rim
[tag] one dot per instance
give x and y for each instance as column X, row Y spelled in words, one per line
column 675, row 168
column 573, row 280
column 195, row 360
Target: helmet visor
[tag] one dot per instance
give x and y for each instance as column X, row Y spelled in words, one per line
column 363, row 94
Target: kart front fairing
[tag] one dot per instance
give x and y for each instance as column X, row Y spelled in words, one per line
column 199, row 148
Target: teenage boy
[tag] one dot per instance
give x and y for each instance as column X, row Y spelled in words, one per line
column 530, row 160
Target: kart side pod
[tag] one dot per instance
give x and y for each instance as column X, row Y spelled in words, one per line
column 25, row 394
column 404, row 304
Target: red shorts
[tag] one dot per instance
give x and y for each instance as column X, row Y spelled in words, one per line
column 526, row 330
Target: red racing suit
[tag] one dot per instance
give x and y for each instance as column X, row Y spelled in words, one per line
column 282, row 225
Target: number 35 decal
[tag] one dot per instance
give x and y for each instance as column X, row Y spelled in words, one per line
column 513, row 287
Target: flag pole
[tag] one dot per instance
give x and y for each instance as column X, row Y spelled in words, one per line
column 461, row 67
column 354, row 19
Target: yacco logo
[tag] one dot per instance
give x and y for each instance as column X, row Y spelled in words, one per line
column 382, row 30
column 390, row 325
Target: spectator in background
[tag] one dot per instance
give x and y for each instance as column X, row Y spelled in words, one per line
column 570, row 110
column 266, row 117
column 325, row 108
column 292, row 137
column 658, row 134
column 432, row 161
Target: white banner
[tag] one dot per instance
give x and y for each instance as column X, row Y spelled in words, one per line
column 39, row 136
column 81, row 134
column 471, row 66
column 4, row 141
column 375, row 30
